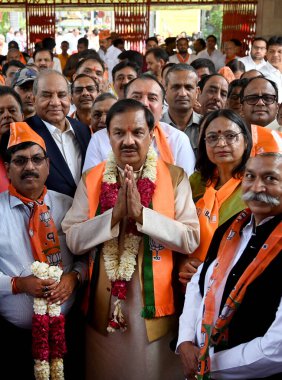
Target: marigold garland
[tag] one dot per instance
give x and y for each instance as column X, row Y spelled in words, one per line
column 120, row 268
column 48, row 330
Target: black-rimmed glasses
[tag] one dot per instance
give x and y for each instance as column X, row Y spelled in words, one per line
column 21, row 161
column 252, row 100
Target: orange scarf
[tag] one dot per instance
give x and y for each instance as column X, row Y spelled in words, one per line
column 4, row 182
column 42, row 230
column 214, row 333
column 162, row 144
column 158, row 291
column 181, row 59
column 208, row 213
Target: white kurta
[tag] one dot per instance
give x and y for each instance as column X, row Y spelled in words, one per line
column 270, row 72
column 250, row 63
column 216, row 57
column 130, row 355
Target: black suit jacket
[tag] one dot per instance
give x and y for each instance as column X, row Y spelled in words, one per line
column 60, row 178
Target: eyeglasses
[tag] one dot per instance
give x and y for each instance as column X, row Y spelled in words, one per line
column 21, row 161
column 79, row 90
column 252, row 100
column 229, row 138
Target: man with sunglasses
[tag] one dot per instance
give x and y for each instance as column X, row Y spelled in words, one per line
column 84, row 90
column 259, row 99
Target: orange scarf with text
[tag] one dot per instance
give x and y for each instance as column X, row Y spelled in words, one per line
column 162, row 144
column 214, row 332
column 158, row 266
column 208, row 213
column 42, row 230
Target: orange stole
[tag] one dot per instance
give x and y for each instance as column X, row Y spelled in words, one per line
column 181, row 59
column 162, row 144
column 43, row 233
column 163, row 202
column 208, row 212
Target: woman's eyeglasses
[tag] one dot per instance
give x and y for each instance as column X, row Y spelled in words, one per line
column 229, row 138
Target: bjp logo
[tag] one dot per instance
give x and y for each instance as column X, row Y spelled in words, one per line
column 154, row 246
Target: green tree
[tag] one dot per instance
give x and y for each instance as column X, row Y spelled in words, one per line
column 213, row 24
column 4, row 23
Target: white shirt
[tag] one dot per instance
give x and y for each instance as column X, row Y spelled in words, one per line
column 270, row 72
column 274, row 126
column 16, row 253
column 259, row 357
column 99, row 148
column 69, row 147
column 110, row 58
column 57, row 64
column 216, row 57
column 250, row 64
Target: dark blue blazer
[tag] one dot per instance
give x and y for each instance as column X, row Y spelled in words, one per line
column 60, row 178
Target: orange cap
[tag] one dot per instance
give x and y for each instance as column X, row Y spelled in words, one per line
column 104, row 34
column 21, row 132
column 265, row 141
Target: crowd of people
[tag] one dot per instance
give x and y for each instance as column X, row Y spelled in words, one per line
column 155, row 183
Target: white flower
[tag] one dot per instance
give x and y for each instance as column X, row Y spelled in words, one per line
column 150, row 167
column 121, row 267
column 41, row 370
column 57, row 369
column 54, row 310
column 40, row 270
column 40, row 306
column 55, row 272
column 110, row 174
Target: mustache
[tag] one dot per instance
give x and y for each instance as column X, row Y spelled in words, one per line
column 133, row 146
column 29, row 173
column 261, row 197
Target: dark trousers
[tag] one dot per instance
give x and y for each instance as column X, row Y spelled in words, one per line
column 16, row 356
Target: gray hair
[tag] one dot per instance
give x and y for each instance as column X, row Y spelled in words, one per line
column 46, row 73
column 180, row 67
